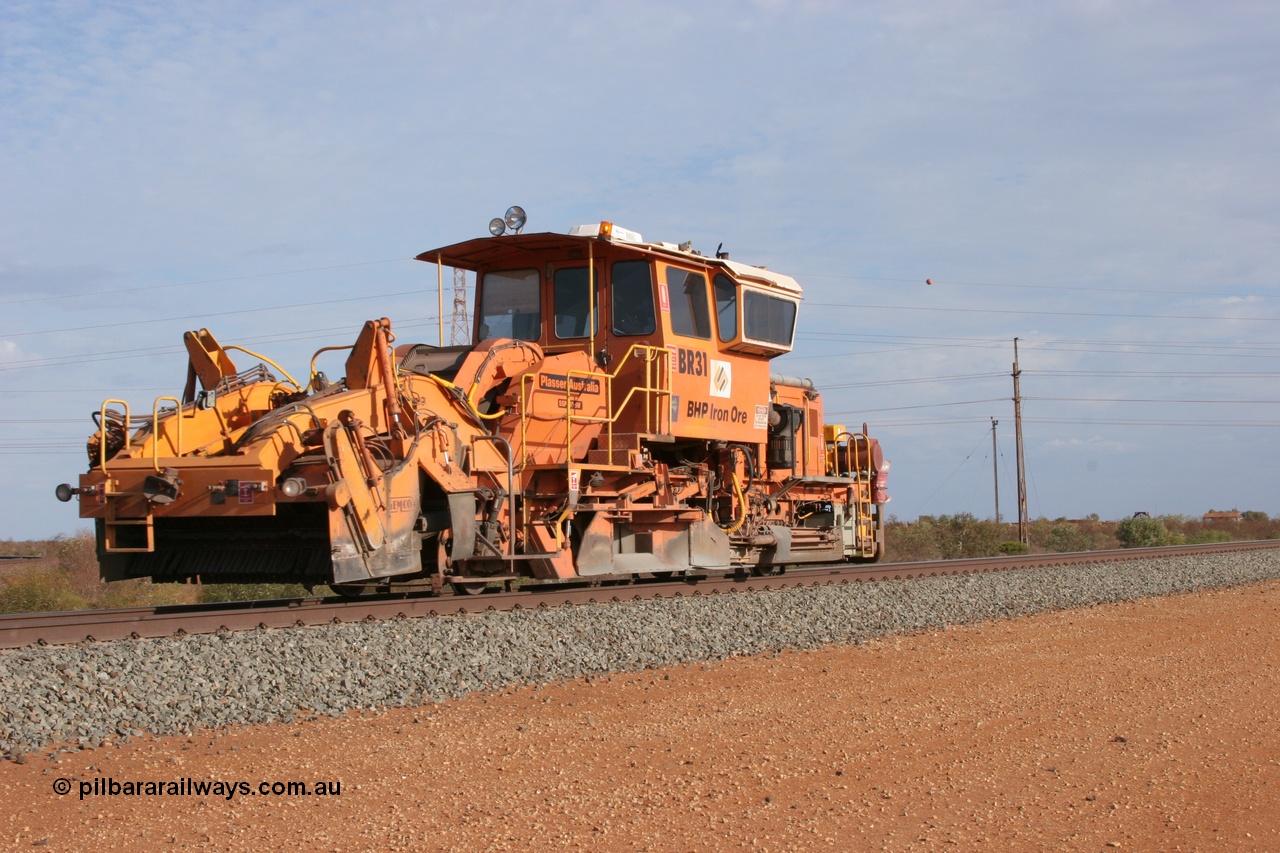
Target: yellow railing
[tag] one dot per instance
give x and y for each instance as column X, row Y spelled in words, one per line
column 102, row 431
column 655, row 390
column 175, row 441
column 864, row 475
column 176, row 445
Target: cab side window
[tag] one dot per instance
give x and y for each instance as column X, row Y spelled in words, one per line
column 726, row 307
column 631, row 298
column 510, row 305
column 768, row 318
column 687, row 293
column 571, row 298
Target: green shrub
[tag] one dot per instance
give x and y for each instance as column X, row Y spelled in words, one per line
column 218, row 592
column 963, row 535
column 1065, row 537
column 1013, row 547
column 1142, row 532
column 78, row 562
column 1204, row 537
column 38, row 592
column 912, row 542
column 140, row 592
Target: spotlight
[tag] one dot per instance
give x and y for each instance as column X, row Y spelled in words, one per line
column 162, row 488
column 513, row 221
column 515, row 218
column 293, row 487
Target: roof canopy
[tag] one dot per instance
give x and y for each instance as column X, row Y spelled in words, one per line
column 512, row 250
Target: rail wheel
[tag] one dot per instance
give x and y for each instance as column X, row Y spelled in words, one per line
column 351, row 590
column 469, row 587
column 766, row 571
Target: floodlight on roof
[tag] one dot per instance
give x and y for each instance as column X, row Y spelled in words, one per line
column 515, row 218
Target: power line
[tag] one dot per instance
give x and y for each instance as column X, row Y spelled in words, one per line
column 1150, row 422
column 1150, row 400
column 223, row 280
column 942, row 282
column 884, row 382
column 1038, row 287
column 1038, row 343
column 1199, row 317
column 926, row 406
column 120, row 355
column 963, row 462
column 202, row 317
column 1144, row 374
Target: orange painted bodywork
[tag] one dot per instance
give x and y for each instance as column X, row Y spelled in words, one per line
column 644, row 443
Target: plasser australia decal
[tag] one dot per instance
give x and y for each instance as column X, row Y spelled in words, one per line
column 560, row 382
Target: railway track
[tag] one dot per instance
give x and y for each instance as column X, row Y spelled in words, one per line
column 18, row 630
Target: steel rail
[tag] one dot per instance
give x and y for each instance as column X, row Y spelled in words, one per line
column 23, row 629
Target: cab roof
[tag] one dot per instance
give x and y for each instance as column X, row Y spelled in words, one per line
column 514, row 249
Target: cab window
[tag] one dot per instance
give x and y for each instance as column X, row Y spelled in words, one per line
column 571, row 299
column 509, row 305
column 767, row 318
column 726, row 307
column 687, row 293
column 631, row 298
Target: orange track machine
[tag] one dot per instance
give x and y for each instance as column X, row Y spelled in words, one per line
column 615, row 418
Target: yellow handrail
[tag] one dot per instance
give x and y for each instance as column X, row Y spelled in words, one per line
column 102, row 431
column 866, row 478
column 655, row 387
column 653, row 417
column 155, row 429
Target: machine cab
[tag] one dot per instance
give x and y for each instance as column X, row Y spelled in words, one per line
column 603, row 290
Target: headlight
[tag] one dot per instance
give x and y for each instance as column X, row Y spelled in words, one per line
column 515, row 218
column 293, row 487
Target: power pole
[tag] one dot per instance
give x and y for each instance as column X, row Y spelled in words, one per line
column 461, row 329
column 1023, row 535
column 995, row 467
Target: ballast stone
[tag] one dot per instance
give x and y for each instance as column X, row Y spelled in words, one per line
column 58, row 695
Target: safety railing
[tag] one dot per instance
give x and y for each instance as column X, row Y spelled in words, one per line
column 857, row 447
column 654, row 390
column 175, row 445
column 102, row 431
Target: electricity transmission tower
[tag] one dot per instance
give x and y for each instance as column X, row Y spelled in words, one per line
column 461, row 330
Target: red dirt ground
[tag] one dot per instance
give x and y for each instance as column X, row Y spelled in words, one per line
column 1143, row 726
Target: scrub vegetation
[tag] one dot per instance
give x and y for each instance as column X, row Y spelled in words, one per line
column 950, row 537
column 62, row 574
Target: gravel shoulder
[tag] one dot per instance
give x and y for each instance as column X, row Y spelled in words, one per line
column 1138, row 725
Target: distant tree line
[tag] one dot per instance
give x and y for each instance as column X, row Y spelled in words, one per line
column 63, row 575
column 951, row 537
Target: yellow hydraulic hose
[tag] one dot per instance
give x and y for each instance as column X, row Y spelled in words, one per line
column 249, row 352
column 742, row 502
column 454, row 389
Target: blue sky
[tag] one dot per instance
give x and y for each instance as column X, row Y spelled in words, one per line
column 1096, row 179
